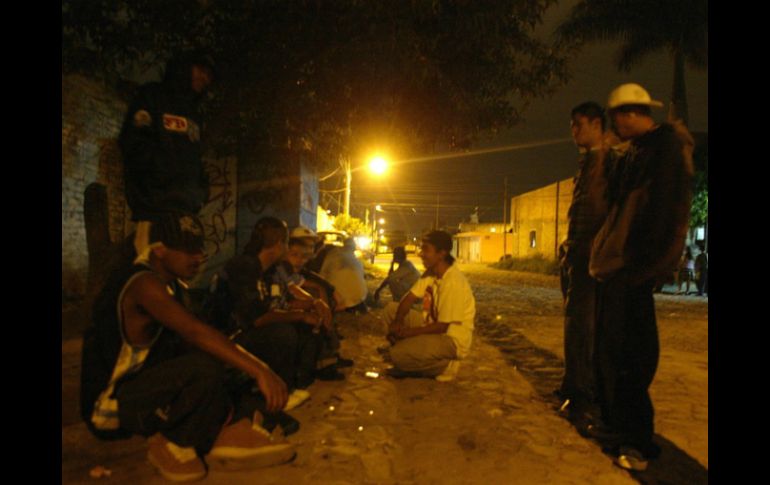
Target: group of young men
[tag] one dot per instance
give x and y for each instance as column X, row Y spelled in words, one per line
column 211, row 388
column 627, row 227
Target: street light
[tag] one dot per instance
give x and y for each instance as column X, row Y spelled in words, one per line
column 378, row 165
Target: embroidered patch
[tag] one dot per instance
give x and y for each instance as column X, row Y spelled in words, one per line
column 178, row 124
column 187, row 223
column 142, row 118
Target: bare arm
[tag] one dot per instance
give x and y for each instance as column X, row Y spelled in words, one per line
column 149, row 293
column 290, row 316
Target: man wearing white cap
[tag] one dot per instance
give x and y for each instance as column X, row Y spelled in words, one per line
column 649, row 196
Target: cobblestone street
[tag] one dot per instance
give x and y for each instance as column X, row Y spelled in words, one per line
column 494, row 424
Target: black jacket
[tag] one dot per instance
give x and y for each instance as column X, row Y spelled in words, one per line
column 649, row 192
column 160, row 143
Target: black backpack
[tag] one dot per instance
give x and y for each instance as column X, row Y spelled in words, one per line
column 218, row 305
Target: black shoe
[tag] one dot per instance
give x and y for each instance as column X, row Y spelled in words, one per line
column 342, row 362
column 330, row 373
column 632, row 459
column 288, row 424
column 602, row 433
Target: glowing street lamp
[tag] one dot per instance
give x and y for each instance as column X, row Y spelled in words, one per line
column 378, row 165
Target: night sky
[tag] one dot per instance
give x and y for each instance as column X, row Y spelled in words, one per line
column 409, row 192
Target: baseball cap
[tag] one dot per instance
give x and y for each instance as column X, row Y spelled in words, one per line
column 301, row 232
column 631, row 93
column 177, row 230
column 439, row 239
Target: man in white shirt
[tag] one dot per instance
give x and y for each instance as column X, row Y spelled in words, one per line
column 432, row 342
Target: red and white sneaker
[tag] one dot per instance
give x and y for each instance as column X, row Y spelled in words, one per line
column 174, row 462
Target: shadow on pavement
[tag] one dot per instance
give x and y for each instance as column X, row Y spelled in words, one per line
column 674, row 466
column 543, row 370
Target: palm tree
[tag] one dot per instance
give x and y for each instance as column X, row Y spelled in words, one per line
column 643, row 27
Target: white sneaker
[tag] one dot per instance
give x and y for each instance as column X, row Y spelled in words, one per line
column 450, row 372
column 631, row 459
column 297, row 397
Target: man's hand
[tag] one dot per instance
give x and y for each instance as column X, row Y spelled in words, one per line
column 397, row 332
column 324, row 312
column 312, row 319
column 273, row 388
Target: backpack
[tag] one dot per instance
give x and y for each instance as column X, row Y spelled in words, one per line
column 218, row 305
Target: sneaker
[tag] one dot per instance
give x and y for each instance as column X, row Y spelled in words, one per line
column 174, row 462
column 631, row 459
column 329, row 373
column 297, row 397
column 245, row 446
column 450, row 372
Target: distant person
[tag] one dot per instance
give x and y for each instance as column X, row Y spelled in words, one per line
column 702, row 270
column 686, row 271
column 161, row 144
column 639, row 244
column 345, row 272
column 321, row 249
column 585, row 216
column 155, row 370
column 431, row 343
column 400, row 280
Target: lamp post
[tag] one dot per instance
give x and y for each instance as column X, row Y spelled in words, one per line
column 378, row 165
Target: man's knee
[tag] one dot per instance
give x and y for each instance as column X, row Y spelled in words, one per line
column 390, row 312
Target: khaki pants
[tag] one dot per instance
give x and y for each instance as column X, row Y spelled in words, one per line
column 426, row 355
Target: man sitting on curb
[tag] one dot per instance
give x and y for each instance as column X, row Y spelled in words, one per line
column 150, row 367
column 431, row 343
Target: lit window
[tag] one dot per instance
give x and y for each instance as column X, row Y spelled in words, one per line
column 532, row 239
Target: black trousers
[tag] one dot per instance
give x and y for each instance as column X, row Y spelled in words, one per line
column 187, row 399
column 579, row 332
column 290, row 349
column 627, row 354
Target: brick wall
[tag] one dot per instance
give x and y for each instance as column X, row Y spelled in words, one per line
column 91, row 119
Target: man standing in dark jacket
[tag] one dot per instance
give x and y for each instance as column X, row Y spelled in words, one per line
column 586, row 214
column 638, row 246
column 160, row 143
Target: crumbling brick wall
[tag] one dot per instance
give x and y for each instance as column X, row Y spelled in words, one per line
column 91, row 118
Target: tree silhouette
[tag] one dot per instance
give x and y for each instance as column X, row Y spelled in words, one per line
column 645, row 26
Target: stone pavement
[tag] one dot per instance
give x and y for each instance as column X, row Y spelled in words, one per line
column 494, row 424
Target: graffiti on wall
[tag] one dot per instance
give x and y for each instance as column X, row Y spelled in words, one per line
column 219, row 216
column 221, row 200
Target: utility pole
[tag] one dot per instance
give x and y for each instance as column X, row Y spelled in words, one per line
column 505, row 217
column 438, row 199
column 346, row 165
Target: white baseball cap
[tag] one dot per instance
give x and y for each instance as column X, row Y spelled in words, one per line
column 631, row 94
column 302, row 232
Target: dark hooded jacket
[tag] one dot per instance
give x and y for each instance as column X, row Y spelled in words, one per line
column 160, row 143
column 649, row 195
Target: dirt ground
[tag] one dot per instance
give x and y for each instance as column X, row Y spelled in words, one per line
column 494, row 424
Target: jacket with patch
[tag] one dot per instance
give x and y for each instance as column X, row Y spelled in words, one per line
column 160, row 143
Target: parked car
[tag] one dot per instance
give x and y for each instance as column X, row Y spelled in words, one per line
column 337, row 238
column 334, row 238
